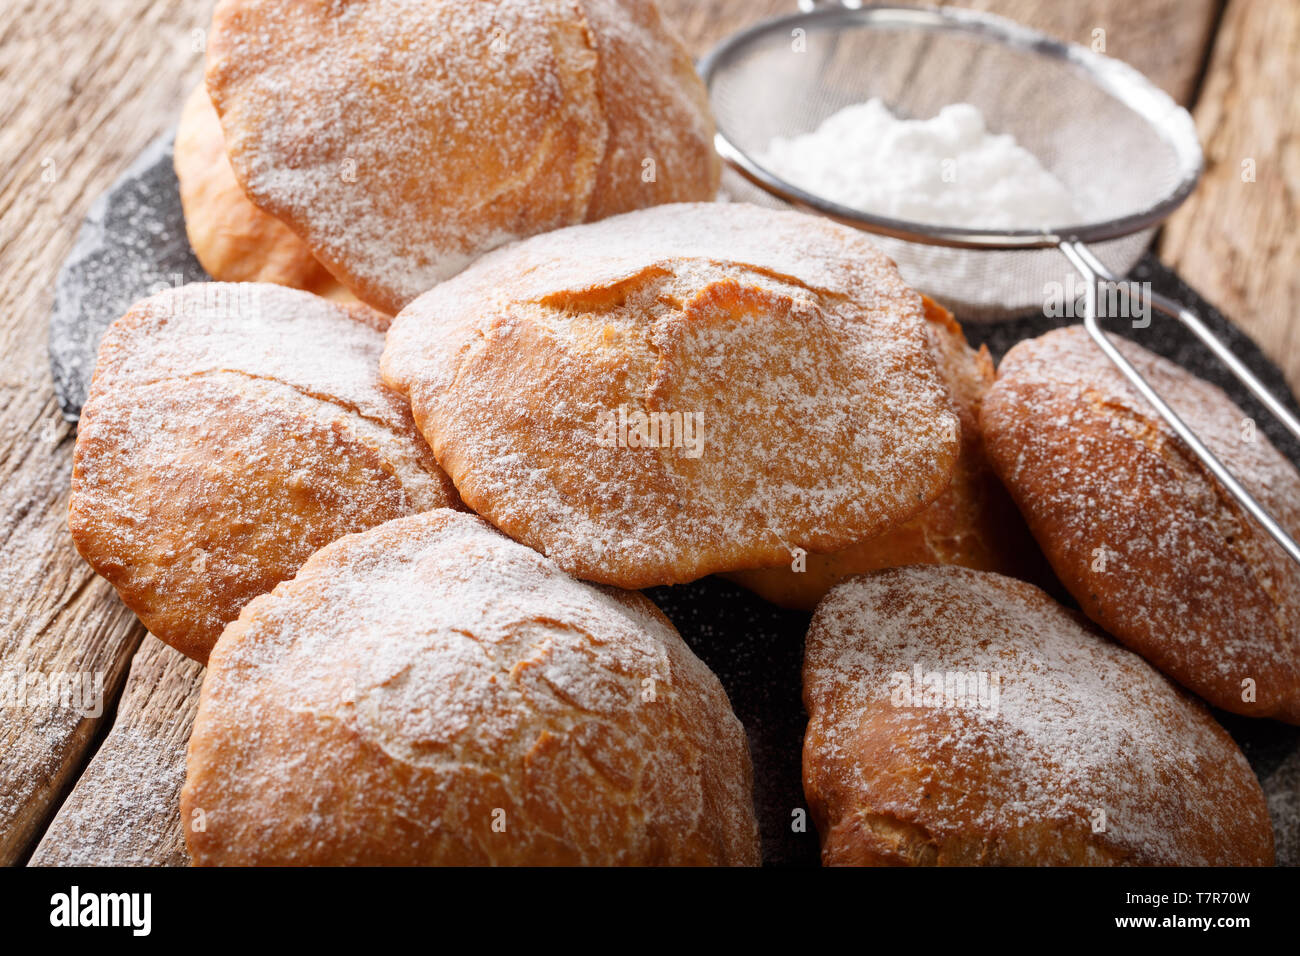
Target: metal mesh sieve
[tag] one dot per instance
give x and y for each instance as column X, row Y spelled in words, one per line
column 1126, row 151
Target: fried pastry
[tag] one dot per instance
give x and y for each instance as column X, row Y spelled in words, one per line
column 959, row 717
column 231, row 431
column 402, row 140
column 1152, row 547
column 233, row 240
column 429, row 692
column 681, row 390
column 973, row 523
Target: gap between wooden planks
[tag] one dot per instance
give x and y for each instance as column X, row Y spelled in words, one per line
column 83, row 87
column 96, row 85
column 123, row 810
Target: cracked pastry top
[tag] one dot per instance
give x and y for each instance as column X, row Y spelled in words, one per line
column 790, row 344
column 401, row 140
column 231, row 430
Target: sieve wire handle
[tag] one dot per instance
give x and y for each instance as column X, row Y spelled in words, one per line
column 1093, row 273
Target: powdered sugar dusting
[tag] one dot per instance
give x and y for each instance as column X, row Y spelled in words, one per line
column 231, row 430
column 113, row 816
column 449, row 673
column 1143, row 536
column 792, row 339
column 259, row 330
column 401, row 139
column 1081, row 725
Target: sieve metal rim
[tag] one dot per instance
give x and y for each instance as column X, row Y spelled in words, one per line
column 1171, row 122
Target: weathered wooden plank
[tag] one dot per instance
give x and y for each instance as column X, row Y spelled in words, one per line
column 83, row 87
column 1165, row 39
column 1236, row 240
column 122, row 811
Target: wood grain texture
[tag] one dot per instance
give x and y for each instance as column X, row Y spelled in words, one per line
column 122, row 811
column 1165, row 39
column 1236, row 240
column 83, row 88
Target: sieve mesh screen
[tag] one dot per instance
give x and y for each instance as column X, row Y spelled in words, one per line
column 1119, row 145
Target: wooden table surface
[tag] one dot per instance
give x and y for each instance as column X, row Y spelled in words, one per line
column 83, row 88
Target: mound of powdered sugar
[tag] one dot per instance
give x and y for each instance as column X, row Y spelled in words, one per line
column 948, row 170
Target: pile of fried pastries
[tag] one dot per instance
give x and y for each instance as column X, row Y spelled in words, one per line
column 484, row 357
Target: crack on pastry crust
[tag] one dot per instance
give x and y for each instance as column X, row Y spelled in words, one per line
column 910, row 841
column 808, row 395
column 668, row 120
column 605, row 297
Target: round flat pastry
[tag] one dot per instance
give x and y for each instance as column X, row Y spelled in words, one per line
column 233, row 239
column 973, row 523
column 430, row 692
column 401, row 140
column 231, row 431
column 958, row 717
column 1145, row 538
column 680, row 390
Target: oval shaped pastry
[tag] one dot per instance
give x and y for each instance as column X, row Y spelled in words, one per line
column 232, row 430
column 1144, row 537
column 233, row 240
column 959, row 717
column 402, row 140
column 973, row 523
column 430, row 692
column 680, row 390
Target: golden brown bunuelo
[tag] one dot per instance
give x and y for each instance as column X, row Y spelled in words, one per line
column 232, row 430
column 402, row 140
column 958, row 717
column 1152, row 547
column 430, row 692
column 777, row 365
